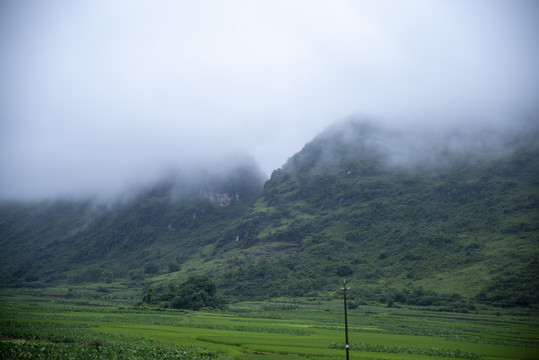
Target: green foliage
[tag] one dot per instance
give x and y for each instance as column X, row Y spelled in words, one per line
column 511, row 289
column 78, row 242
column 151, row 268
column 31, row 326
column 449, row 230
column 452, row 235
column 434, row 352
column 52, row 351
column 195, row 293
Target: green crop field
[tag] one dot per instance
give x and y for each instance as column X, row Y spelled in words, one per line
column 47, row 324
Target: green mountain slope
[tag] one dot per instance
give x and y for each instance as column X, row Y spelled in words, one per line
column 153, row 231
column 416, row 222
column 342, row 208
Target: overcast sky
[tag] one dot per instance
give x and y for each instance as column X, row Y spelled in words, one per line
column 96, row 95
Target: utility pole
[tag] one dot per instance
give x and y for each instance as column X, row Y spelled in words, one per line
column 346, row 320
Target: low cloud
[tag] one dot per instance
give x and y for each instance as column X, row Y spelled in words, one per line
column 100, row 95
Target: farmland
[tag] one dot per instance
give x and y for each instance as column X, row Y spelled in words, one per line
column 92, row 323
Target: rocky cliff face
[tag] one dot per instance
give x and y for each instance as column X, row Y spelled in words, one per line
column 220, row 199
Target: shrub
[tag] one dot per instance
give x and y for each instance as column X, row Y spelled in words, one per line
column 151, row 268
column 195, row 293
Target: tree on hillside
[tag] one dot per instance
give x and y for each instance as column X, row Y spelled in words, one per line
column 151, row 268
column 195, row 293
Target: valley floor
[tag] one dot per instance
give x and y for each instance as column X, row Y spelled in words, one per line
column 102, row 323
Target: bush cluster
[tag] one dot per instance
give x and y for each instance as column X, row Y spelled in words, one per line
column 195, row 293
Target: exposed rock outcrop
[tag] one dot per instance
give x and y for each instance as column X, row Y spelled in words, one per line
column 220, row 199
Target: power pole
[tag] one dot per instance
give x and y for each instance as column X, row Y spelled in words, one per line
column 346, row 320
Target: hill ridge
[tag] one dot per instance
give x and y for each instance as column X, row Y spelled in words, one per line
column 342, row 206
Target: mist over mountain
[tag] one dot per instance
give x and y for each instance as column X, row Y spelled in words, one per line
column 413, row 145
column 408, row 213
column 147, row 141
column 101, row 96
column 232, row 175
column 69, row 235
column 464, row 222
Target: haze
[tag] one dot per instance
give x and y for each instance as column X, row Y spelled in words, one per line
column 99, row 95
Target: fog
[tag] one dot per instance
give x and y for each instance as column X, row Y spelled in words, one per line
column 98, row 96
column 426, row 149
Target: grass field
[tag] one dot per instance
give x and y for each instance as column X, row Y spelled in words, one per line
column 96, row 324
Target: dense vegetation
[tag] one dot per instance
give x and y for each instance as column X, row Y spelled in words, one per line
column 450, row 229
column 151, row 231
column 106, row 327
column 413, row 234
column 196, row 293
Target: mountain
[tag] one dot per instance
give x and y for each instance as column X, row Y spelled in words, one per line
column 350, row 205
column 402, row 216
column 150, row 230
